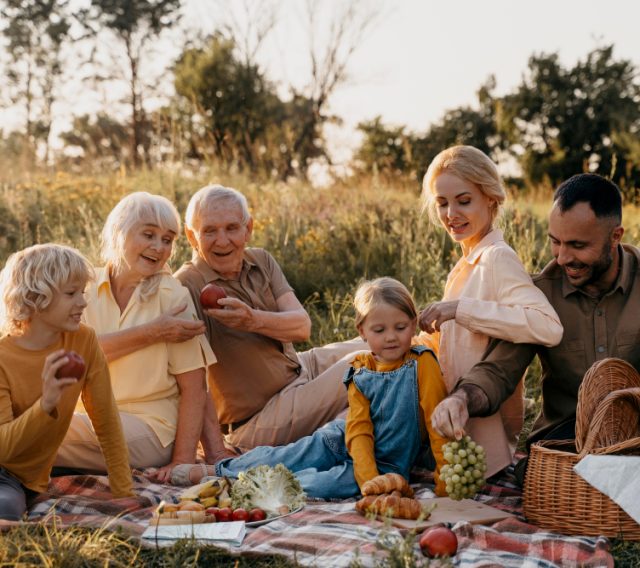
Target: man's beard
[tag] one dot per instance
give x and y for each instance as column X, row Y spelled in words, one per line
column 596, row 269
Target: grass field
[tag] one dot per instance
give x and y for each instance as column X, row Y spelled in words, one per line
column 326, row 240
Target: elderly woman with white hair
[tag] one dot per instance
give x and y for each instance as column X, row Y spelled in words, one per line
column 154, row 345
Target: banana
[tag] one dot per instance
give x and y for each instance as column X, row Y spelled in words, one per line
column 213, row 491
column 192, row 493
column 209, row 502
column 224, row 502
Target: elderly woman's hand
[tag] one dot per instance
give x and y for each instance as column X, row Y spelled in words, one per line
column 173, row 329
column 235, row 314
column 434, row 315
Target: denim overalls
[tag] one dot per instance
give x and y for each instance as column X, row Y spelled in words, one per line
column 321, row 461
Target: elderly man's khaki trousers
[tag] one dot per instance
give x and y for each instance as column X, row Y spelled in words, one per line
column 316, row 397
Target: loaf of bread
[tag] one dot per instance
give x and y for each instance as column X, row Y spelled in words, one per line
column 390, row 506
column 387, row 483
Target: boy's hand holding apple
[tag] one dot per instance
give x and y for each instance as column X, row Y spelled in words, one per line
column 57, row 364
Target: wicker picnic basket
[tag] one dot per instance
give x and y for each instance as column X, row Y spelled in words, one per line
column 558, row 499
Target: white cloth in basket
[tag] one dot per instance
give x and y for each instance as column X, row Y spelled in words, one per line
column 615, row 476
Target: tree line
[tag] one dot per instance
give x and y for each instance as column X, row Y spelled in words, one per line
column 225, row 108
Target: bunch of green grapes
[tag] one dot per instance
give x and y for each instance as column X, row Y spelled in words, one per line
column 465, row 468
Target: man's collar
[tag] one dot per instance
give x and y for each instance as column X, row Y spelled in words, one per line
column 210, row 274
column 489, row 239
column 623, row 280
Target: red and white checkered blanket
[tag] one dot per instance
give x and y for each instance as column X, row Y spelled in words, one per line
column 331, row 534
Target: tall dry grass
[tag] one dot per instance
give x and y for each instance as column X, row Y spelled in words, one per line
column 326, row 240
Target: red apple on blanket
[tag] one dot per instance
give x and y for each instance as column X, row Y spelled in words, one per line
column 210, row 295
column 73, row 368
column 438, row 541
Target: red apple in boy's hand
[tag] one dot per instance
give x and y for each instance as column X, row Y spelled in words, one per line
column 210, row 295
column 438, row 541
column 73, row 368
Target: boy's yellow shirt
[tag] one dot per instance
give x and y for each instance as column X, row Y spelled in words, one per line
column 30, row 438
column 359, row 428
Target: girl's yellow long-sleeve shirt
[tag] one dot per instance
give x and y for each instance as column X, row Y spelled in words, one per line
column 359, row 428
column 29, row 437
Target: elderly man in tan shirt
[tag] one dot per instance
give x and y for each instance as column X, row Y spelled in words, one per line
column 264, row 392
column 594, row 285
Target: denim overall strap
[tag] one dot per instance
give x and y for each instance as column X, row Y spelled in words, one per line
column 394, row 411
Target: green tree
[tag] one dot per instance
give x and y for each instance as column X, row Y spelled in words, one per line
column 134, row 23
column 393, row 151
column 102, row 139
column 35, row 32
column 384, row 149
column 229, row 110
column 562, row 121
column 231, row 100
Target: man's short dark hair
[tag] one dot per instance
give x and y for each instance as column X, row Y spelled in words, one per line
column 602, row 195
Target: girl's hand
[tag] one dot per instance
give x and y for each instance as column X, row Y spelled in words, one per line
column 52, row 388
column 434, row 315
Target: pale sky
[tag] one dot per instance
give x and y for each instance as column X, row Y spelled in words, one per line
column 423, row 56
column 420, row 58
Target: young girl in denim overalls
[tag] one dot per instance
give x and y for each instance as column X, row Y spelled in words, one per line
column 392, row 391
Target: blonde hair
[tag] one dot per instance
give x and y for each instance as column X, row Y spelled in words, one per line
column 385, row 290
column 469, row 164
column 136, row 208
column 31, row 278
column 211, row 194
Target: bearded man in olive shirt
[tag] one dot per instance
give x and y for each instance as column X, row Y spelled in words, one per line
column 594, row 285
column 265, row 393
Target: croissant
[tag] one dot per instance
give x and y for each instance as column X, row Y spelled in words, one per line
column 386, row 484
column 390, row 505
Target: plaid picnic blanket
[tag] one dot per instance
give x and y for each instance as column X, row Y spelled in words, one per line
column 328, row 534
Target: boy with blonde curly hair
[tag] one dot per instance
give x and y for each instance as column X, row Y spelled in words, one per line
column 42, row 291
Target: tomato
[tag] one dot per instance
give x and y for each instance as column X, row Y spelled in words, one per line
column 438, row 541
column 257, row 515
column 223, row 515
column 240, row 514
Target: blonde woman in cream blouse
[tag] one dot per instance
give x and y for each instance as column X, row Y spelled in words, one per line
column 488, row 294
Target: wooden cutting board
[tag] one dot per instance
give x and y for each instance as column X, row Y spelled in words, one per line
column 450, row 511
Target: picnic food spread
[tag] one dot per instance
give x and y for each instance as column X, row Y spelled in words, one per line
column 259, row 494
column 390, row 495
column 198, row 504
column 273, row 489
column 465, row 468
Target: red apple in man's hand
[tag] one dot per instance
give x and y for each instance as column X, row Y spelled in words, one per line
column 73, row 368
column 210, row 295
column 438, row 541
